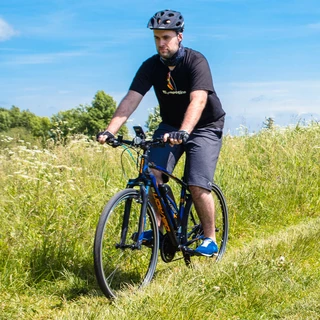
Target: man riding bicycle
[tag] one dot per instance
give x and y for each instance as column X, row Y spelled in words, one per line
column 192, row 115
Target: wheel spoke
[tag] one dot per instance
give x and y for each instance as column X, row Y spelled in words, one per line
column 117, row 267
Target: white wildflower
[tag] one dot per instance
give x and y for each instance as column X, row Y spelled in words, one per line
column 25, row 176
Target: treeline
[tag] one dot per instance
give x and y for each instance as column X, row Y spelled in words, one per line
column 84, row 119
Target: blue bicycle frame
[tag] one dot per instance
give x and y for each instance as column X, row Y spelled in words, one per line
column 171, row 216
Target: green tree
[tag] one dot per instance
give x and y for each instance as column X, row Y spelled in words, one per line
column 87, row 119
column 269, row 123
column 100, row 113
column 70, row 121
column 154, row 120
column 14, row 118
column 40, row 127
column 5, row 119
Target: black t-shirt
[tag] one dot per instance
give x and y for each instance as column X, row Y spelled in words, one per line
column 190, row 74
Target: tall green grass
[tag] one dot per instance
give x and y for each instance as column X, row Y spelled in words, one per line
column 51, row 200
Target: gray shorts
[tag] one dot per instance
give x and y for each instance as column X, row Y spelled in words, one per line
column 202, row 152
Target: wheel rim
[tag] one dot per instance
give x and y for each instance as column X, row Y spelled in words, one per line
column 116, row 268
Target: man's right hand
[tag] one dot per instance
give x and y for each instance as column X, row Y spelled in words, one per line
column 105, row 136
column 176, row 137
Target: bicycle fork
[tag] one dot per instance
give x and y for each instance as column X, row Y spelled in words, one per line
column 136, row 237
column 142, row 218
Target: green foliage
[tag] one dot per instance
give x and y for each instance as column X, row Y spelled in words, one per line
column 65, row 123
column 50, row 201
column 5, row 119
column 18, row 135
column 269, row 123
column 86, row 119
column 154, row 120
column 14, row 118
column 100, row 113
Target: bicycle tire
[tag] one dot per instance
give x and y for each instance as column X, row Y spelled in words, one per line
column 194, row 229
column 117, row 269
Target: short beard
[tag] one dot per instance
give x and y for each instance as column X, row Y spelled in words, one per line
column 175, row 58
column 167, row 55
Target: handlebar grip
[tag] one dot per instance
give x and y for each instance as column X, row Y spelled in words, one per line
column 137, row 141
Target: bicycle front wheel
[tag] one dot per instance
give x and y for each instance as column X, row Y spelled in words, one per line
column 118, row 263
column 194, row 230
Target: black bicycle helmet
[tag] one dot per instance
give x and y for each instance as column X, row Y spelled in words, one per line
column 167, row 20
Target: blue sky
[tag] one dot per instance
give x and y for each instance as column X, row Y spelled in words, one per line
column 264, row 55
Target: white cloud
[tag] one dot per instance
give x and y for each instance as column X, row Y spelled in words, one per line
column 267, row 97
column 45, row 58
column 314, row 26
column 6, row 31
column 250, row 103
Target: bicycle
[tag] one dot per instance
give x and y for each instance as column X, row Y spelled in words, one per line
column 122, row 258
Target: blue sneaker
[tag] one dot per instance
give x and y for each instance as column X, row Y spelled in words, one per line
column 147, row 237
column 207, row 248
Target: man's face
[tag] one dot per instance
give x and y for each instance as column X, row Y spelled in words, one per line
column 167, row 42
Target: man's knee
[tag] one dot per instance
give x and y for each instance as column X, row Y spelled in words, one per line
column 197, row 192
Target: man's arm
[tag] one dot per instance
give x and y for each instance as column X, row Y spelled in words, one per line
column 126, row 107
column 198, row 100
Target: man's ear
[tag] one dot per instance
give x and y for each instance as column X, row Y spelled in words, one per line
column 180, row 36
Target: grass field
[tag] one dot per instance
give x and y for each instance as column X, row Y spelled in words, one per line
column 51, row 200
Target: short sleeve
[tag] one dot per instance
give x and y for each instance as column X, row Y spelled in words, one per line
column 201, row 78
column 142, row 81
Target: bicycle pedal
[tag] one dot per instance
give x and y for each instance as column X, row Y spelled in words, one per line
column 191, row 252
column 186, row 250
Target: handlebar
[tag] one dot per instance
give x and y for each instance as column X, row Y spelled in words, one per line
column 137, row 142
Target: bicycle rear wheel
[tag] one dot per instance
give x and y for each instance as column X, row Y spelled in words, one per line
column 117, row 263
column 194, row 229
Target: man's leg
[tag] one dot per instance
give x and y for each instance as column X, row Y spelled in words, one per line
column 204, row 204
